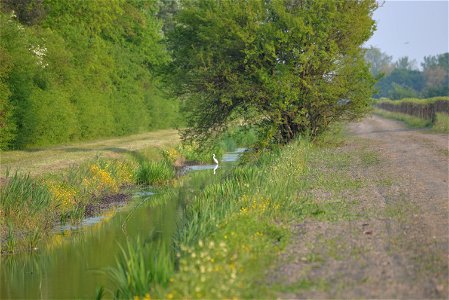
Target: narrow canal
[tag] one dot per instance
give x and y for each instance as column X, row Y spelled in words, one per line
column 73, row 263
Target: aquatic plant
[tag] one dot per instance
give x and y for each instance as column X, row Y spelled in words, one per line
column 25, row 205
column 22, row 192
column 141, row 268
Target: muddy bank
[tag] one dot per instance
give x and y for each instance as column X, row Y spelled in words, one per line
column 105, row 203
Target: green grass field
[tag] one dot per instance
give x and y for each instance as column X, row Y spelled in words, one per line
column 52, row 159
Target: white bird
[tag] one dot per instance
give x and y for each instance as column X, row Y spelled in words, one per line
column 215, row 160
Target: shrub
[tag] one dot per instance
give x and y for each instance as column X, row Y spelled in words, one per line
column 263, row 68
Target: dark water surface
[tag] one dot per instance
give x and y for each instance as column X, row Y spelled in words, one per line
column 72, row 263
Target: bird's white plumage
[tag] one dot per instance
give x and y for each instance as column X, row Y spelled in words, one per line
column 215, row 160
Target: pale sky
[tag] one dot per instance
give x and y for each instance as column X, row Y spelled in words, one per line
column 412, row 28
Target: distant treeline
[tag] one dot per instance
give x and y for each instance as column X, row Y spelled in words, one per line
column 421, row 108
column 402, row 79
column 77, row 70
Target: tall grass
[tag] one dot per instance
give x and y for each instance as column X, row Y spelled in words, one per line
column 441, row 123
column 414, row 100
column 25, row 205
column 29, row 206
column 232, row 228
column 141, row 267
column 154, row 172
column 23, row 193
column 419, row 108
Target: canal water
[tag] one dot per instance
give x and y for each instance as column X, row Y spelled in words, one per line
column 74, row 262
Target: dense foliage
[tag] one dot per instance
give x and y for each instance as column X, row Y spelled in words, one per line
column 402, row 79
column 76, row 70
column 284, row 67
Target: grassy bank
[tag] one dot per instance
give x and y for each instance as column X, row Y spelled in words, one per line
column 31, row 206
column 235, row 225
column 31, row 203
column 39, row 161
column 43, row 187
column 440, row 125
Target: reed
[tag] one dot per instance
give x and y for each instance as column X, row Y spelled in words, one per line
column 141, row 268
column 23, row 193
column 26, row 207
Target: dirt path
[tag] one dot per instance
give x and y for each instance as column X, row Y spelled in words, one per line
column 394, row 242
column 38, row 161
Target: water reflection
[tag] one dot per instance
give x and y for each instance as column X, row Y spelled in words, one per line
column 71, row 264
column 86, row 222
column 227, row 158
column 198, row 168
column 233, row 156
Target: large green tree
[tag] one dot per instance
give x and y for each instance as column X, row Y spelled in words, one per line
column 379, row 62
column 404, row 80
column 436, row 74
column 285, row 67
